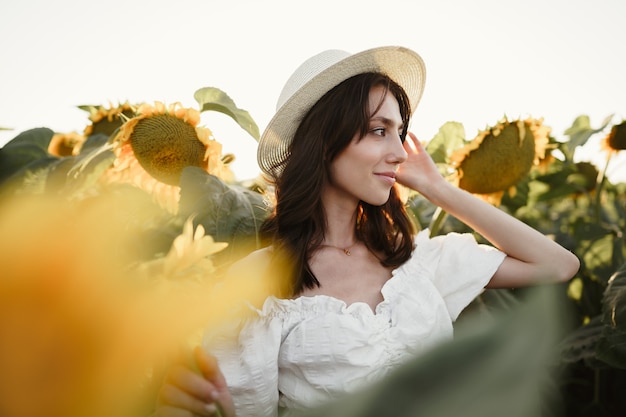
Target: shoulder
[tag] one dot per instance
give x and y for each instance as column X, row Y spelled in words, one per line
column 252, row 275
column 454, row 255
column 258, row 260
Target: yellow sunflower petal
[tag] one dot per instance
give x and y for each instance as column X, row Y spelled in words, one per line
column 66, row 144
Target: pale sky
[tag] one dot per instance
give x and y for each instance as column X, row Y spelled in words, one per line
column 555, row 59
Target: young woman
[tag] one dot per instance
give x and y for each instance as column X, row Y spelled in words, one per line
column 360, row 291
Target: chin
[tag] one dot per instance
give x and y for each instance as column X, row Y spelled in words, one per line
column 377, row 202
column 377, row 196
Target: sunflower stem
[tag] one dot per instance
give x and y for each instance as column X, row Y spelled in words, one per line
column 600, row 185
column 439, row 217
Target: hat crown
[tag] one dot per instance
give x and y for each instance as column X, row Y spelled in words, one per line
column 308, row 70
column 320, row 74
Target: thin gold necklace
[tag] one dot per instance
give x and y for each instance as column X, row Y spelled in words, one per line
column 345, row 250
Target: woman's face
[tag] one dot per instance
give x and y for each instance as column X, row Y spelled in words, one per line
column 365, row 169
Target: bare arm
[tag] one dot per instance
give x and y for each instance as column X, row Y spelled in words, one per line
column 532, row 257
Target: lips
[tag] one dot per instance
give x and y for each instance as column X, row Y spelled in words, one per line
column 389, row 177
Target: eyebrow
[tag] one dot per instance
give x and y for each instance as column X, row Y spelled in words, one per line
column 386, row 121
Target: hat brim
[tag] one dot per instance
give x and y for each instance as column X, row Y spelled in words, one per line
column 402, row 65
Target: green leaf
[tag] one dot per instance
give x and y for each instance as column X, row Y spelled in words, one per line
column 491, row 303
column 521, row 196
column 451, row 136
column 39, row 137
column 17, row 156
column 89, row 108
column 94, row 141
column 580, row 132
column 87, row 168
column 494, row 367
column 229, row 213
column 559, row 191
column 580, row 344
column 31, row 177
column 56, row 175
column 214, row 99
column 600, row 251
column 612, row 345
column 499, row 299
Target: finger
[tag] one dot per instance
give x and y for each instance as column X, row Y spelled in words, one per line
column 176, row 400
column 192, row 383
column 409, row 145
column 186, row 359
column 416, row 142
column 209, row 367
column 168, row 411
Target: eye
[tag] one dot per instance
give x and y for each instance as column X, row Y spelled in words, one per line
column 379, row 131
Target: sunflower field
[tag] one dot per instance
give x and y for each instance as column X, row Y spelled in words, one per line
column 114, row 240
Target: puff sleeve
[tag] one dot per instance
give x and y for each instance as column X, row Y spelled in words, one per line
column 248, row 357
column 458, row 266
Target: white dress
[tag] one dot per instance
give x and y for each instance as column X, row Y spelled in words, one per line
column 299, row 353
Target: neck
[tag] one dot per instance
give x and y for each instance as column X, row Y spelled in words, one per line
column 340, row 228
column 340, row 210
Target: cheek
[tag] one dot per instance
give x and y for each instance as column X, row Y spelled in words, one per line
column 344, row 168
column 355, row 162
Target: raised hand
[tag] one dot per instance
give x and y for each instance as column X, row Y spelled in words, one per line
column 419, row 172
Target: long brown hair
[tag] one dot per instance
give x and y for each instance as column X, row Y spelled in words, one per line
column 296, row 227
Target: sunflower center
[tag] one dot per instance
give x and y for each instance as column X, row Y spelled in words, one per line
column 504, row 157
column 164, row 145
column 108, row 125
column 617, row 137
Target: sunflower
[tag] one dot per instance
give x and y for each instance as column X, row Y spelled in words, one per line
column 546, row 160
column 154, row 147
column 107, row 120
column 188, row 259
column 587, row 174
column 70, row 321
column 615, row 141
column 66, row 144
column 499, row 157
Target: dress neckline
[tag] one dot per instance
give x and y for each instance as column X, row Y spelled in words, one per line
column 318, row 301
column 323, row 301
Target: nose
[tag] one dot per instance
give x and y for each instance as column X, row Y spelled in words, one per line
column 397, row 154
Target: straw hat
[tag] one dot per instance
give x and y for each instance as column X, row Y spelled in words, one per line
column 320, row 74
